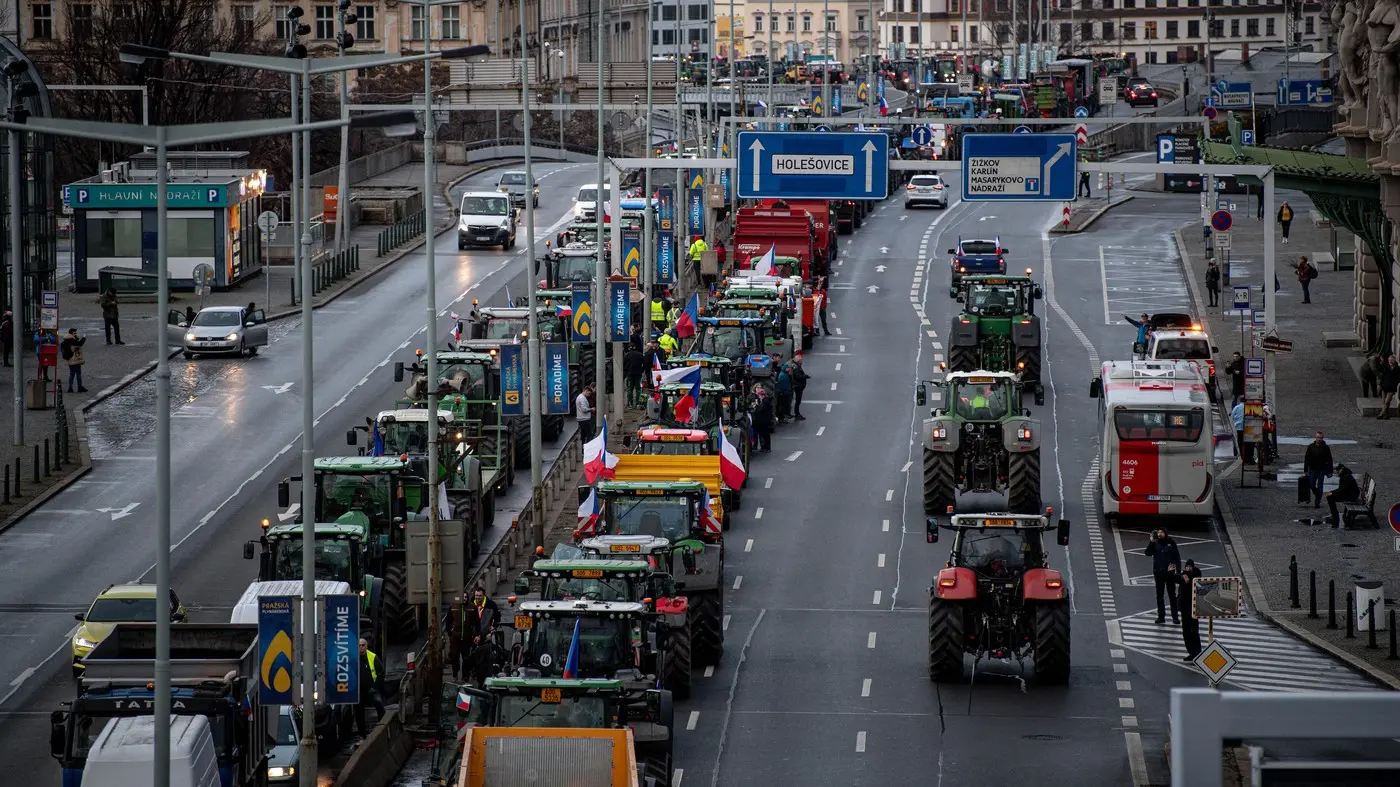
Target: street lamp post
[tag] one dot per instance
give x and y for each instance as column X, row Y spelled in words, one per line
column 648, row 249
column 343, row 41
column 18, row 90
column 600, row 278
column 533, row 345
column 163, row 138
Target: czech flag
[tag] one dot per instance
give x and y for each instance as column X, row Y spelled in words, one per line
column 571, row 663
column 685, row 324
column 707, row 516
column 588, row 512
column 564, row 310
column 731, row 464
column 456, row 327
column 464, row 701
column 597, row 462
column 688, row 406
column 884, row 105
column 680, row 374
column 766, row 265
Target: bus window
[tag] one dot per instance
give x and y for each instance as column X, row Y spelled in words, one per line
column 1159, row 425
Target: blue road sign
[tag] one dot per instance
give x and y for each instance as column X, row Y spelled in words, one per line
column 666, row 258
column 1025, row 167
column 1022, row 130
column 1247, row 137
column 1081, row 112
column 845, row 165
column 1166, row 149
column 922, row 135
column 342, row 648
column 822, row 129
column 1303, row 91
column 1253, row 367
column 1241, row 296
column 1232, row 95
column 556, row 378
column 1221, row 220
column 835, row 100
column 619, row 311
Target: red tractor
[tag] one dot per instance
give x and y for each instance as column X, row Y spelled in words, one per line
column 998, row 598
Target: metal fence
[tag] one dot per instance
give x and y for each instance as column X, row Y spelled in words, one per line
column 401, row 232
column 334, row 267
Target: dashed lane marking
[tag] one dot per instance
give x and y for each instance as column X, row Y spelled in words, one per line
column 906, row 467
column 860, row 742
column 865, row 687
column 792, row 457
column 710, row 671
column 885, row 526
column 889, row 495
column 876, row 602
column 693, row 720
column 821, row 430
column 739, row 580
column 880, row 560
column 833, row 386
column 870, row 641
column 748, row 545
column 768, row 483
column 758, row 513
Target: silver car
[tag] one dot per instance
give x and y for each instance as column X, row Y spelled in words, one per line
column 218, row 330
column 512, row 182
column 285, row 756
column 926, row 190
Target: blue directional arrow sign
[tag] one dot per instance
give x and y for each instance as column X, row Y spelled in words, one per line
column 1304, row 91
column 795, row 165
column 1081, row 112
column 1022, row 130
column 1025, row 167
column 922, row 135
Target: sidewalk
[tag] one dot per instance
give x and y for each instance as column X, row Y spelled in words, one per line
column 1316, row 389
column 1087, row 210
column 109, row 368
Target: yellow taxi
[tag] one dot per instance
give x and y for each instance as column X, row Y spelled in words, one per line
column 131, row 603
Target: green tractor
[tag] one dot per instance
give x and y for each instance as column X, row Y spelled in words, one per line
column 344, row 552
column 469, row 387
column 718, row 405
column 561, row 267
column 663, row 521
column 632, row 579
column 579, row 703
column 979, row 440
column 998, row 329
column 741, row 338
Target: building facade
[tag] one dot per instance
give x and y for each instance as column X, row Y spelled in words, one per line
column 38, row 212
column 844, row 28
column 685, row 24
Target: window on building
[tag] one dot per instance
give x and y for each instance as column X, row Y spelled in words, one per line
column 1193, row 3
column 1217, row 28
column 1130, row 31
column 1066, row 32
column 1269, row 26
column 41, row 25
column 860, row 23
column 1308, row 25
column 953, row 33
column 1107, row 31
column 244, row 19
column 1149, row 30
column 914, row 34
column 192, row 237
column 898, row 31
column 668, row 13
column 1108, row 5
column 806, row 23
column 773, row 23
column 692, row 35
column 1149, row 3
column 108, row 238
column 955, row 6
column 972, row 34
column 1173, row 31
column 916, row 7
column 1251, row 27
column 668, row 37
column 899, row 6
column 697, row 13
column 1173, row 3
column 655, row 37
column 1193, row 29
column 415, row 23
column 80, row 19
column 791, row 23
column 1234, row 28
column 1130, row 3
column 1152, row 56
column 451, row 22
column 284, row 27
column 364, row 23
column 758, row 23
column 831, row 23
column 325, row 22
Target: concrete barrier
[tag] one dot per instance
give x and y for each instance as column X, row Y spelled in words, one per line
column 380, row 757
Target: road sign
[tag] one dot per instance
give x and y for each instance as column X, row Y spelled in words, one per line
column 1303, row 91
column 1253, row 367
column 795, row 165
column 1232, row 95
column 1081, row 134
column 822, row 129
column 1221, row 220
column 1108, row 91
column 267, row 222
column 1241, row 298
column 1178, row 149
column 922, row 135
column 1209, row 112
column 965, row 83
column 1021, row 167
column 1275, row 344
column 1081, row 112
column 1021, row 130
column 1247, row 137
column 1215, row 661
column 1222, row 240
column 1395, row 522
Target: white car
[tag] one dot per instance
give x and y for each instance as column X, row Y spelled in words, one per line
column 486, row 219
column 926, row 190
column 218, row 330
column 586, row 203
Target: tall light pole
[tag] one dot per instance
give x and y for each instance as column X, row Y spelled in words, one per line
column 17, row 89
column 533, row 345
column 600, row 278
column 343, row 41
column 827, row 109
column 648, row 272
column 772, row 62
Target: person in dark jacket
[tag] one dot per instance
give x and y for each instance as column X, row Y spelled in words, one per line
column 1370, row 375
column 634, row 342
column 763, row 420
column 7, row 335
column 799, row 384
column 634, row 367
column 1390, row 383
column 1165, row 560
column 1317, row 465
column 784, row 404
column 469, row 631
column 1347, row 491
column 1213, row 283
column 1190, row 627
column 1235, row 368
column 111, row 316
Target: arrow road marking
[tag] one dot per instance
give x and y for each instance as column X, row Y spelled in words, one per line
column 279, row 389
column 290, row 513
column 869, row 149
column 118, row 513
column 884, row 249
column 872, row 289
column 1045, row 171
column 757, row 148
column 879, row 269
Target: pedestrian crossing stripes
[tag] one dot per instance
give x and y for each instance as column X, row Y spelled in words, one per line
column 1269, row 659
column 1096, row 542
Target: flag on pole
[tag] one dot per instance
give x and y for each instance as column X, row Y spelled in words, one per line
column 707, row 516
column 456, row 327
column 884, row 105
column 731, row 464
column 680, row 374
column 685, row 324
column 597, row 462
column 571, row 663
column 444, row 505
column 767, row 264
column 688, row 406
column 588, row 512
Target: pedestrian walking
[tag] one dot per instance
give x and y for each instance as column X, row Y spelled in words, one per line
column 189, row 316
column 7, row 335
column 1165, row 560
column 634, row 367
column 71, row 348
column 1213, row 282
column 799, row 384
column 369, row 689
column 1235, row 368
column 1259, row 203
column 784, row 388
column 1084, row 184
column 1185, row 594
column 583, row 412
column 1317, row 465
column 1306, row 273
column 1370, row 374
column 821, row 311
column 1390, row 382
column 763, row 420
column 1347, row 491
column 1285, row 219
column 668, row 342
column 1237, row 418
column 111, row 316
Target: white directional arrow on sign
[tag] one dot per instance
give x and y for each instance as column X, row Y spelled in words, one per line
column 290, row 513
column 1050, row 164
column 869, row 148
column 118, row 513
column 279, row 389
column 872, row 289
column 884, row 249
column 879, row 269
column 757, row 148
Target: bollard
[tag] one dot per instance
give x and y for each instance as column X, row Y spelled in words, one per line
column 1312, row 595
column 37, row 478
column 1394, row 656
column 292, row 287
column 1371, row 624
column 1351, row 617
column 19, row 473
column 57, row 451
column 7, row 483
column 47, row 471
column 355, row 259
column 1293, row 582
column 1332, row 604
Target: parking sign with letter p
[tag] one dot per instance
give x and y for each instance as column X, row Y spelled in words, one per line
column 1166, row 149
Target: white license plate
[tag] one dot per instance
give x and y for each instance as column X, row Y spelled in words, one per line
column 1159, row 498
column 483, row 237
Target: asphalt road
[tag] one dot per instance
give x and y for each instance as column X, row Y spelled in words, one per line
column 235, row 432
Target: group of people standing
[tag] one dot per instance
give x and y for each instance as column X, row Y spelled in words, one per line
column 1174, row 580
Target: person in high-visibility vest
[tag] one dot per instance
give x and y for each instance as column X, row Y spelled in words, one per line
column 658, row 310
column 369, row 688
column 668, row 342
column 697, row 247
column 674, row 315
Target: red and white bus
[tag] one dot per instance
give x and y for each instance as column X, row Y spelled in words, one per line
column 1157, row 445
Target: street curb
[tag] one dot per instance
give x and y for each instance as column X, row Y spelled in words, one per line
column 133, row 377
column 84, row 467
column 1060, row 229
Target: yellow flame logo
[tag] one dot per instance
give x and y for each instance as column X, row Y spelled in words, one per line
column 816, row 105
column 277, row 664
column 583, row 319
column 632, row 262
column 697, row 181
column 863, row 92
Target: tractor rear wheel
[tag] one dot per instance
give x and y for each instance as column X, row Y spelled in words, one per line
column 656, row 770
column 1028, row 362
column 939, row 492
column 706, row 624
column 676, row 674
column 520, row 429
column 1023, row 483
column 962, row 359
column 945, row 640
column 401, row 618
column 1052, row 642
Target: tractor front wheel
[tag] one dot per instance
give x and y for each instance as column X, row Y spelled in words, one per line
column 1052, row 642
column 945, row 640
column 1023, row 483
column 676, row 672
column 939, row 491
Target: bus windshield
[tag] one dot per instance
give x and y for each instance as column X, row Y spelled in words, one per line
column 1175, row 426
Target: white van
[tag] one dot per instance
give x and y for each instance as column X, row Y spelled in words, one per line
column 123, row 754
column 586, row 203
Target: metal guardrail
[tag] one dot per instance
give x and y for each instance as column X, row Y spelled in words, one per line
column 401, row 232
column 334, row 267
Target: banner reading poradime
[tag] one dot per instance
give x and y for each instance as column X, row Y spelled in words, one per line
column 342, row 670
column 695, row 202
column 276, row 653
column 556, row 378
column 512, row 379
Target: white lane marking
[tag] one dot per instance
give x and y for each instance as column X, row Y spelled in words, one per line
column 1124, row 685
column 838, row 366
column 837, row 331
column 833, row 386
column 880, row 560
column 758, row 513
column 860, row 742
column 1137, row 761
column 748, row 545
column 876, row 600
column 906, row 467
column 693, row 720
column 889, row 495
column 1103, row 284
column 729, row 701
column 768, row 483
column 792, row 457
column 23, row 676
column 828, row 408
column 1121, row 669
column 1125, row 703
column 821, row 430
column 865, row 687
column 1130, row 721
column 710, row 671
column 937, row 345
column 1115, row 653
column 1049, row 286
column 885, row 526
column 725, row 624
column 841, row 348
column 676, row 777
column 870, row 641
column 933, row 334
column 739, row 580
